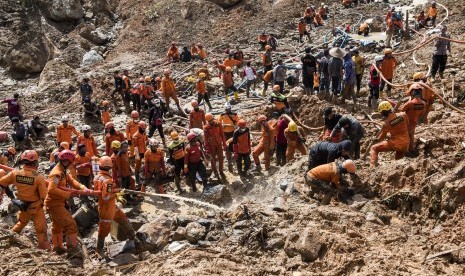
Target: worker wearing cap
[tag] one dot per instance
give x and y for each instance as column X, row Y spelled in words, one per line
column 173, row 53
column 154, row 165
column 415, row 109
column 397, row 125
column 242, row 147
column 323, row 177
column 193, row 162
column 215, row 143
column 432, row 14
column 87, row 139
column 176, row 157
column 295, row 137
column 267, row 142
column 262, row 40
column 352, row 128
column 65, row 131
column 131, row 128
column 279, row 100
column 229, row 120
column 196, row 116
column 202, row 93
column 388, row 66
column 267, row 59
column 169, row 90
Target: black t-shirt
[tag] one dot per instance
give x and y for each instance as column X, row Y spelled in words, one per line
column 331, row 123
column 118, row 82
column 308, row 63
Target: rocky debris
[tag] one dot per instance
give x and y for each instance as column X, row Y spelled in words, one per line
column 308, row 245
column 225, row 3
column 91, row 57
column 61, row 10
column 179, row 234
column 51, row 80
column 195, row 232
column 123, row 259
column 154, row 236
column 94, row 35
column 218, row 194
column 121, row 247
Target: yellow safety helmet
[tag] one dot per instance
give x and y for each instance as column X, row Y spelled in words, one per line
column 116, row 144
column 387, row 51
column 202, row 75
column 384, row 106
column 292, row 127
column 174, row 135
column 418, row 76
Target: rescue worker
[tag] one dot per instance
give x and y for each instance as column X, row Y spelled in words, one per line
column 317, row 20
column 281, row 141
column 7, row 155
column 173, row 53
column 147, row 93
column 432, row 14
column 62, row 221
column 324, row 177
column 267, row 59
column 414, row 109
column 242, row 147
column 395, row 124
column 36, row 128
column 228, row 81
column 83, row 165
column 273, row 42
column 85, row 89
column 91, row 109
column 169, row 91
column 263, row 40
column 111, row 136
column 196, row 116
column 105, row 112
column 136, row 94
column 251, row 77
column 239, row 56
column 186, row 55
column 228, row 120
column 215, row 143
column 279, row 75
column 14, row 108
column 177, row 152
column 202, row 52
column 154, row 165
column 231, row 62
column 193, row 162
column 309, row 13
column 441, row 47
column 87, row 139
column 194, row 51
column 126, row 90
column 54, row 155
column 221, row 68
column 421, row 20
column 322, row 11
column 388, row 66
column 375, row 82
column 352, row 128
column 131, row 128
column 364, row 29
column 267, row 142
column 427, row 95
column 347, row 3
column 122, row 165
column 65, row 131
column 336, row 69
column 139, row 139
column 20, row 134
column 31, row 191
column 279, row 100
column 302, row 28
column 326, row 152
column 266, row 78
column 204, row 69
column 295, row 137
column 202, row 93
column 156, row 120
column 107, row 209
column 359, row 62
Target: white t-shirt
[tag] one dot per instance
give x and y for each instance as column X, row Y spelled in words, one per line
column 249, row 74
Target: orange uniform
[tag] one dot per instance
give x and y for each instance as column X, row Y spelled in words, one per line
column 131, row 128
column 154, row 160
column 197, row 119
column 317, row 20
column 268, row 77
column 173, row 53
column 139, row 140
column 91, row 146
column 81, row 160
column 169, row 90
column 55, row 206
column 397, row 125
column 203, row 53
column 205, row 71
column 229, row 121
column 32, row 190
column 388, row 66
column 231, row 62
column 263, row 39
column 106, row 116
column 228, row 79
column 64, row 134
column 200, row 87
column 118, row 136
column 327, row 172
column 107, row 209
column 432, row 12
column 266, row 144
column 122, row 164
column 215, row 143
column 428, row 96
column 294, row 141
column 146, row 91
column 415, row 110
column 302, row 27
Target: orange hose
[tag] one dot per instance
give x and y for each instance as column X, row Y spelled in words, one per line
column 6, row 168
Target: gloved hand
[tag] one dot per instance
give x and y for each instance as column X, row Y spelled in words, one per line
column 73, row 193
column 87, row 191
column 120, row 198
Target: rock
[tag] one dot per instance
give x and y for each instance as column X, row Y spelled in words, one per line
column 217, row 194
column 29, row 55
column 453, row 196
column 309, row 245
column 90, row 58
column 61, row 10
column 120, row 247
column 51, row 80
column 372, row 217
column 280, row 204
column 206, row 222
column 93, row 35
column 179, row 234
column 184, row 220
column 276, row 243
column 283, row 184
column 123, row 259
column 195, row 232
column 186, row 13
column 176, row 246
column 154, row 235
column 225, row 3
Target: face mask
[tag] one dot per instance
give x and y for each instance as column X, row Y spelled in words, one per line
column 141, row 130
column 243, row 129
column 82, row 152
column 135, row 120
column 112, row 131
column 342, row 170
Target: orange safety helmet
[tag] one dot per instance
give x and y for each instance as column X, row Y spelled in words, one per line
column 64, row 145
column 105, row 162
column 349, row 165
column 166, row 72
column 134, row 114
column 141, row 79
column 30, row 155
column 276, row 88
column 228, row 69
column 67, row 155
column 105, row 103
column 261, row 118
column 142, row 124
column 109, row 125
column 208, row 116
column 11, row 150
column 191, row 136
column 194, row 103
column 241, row 123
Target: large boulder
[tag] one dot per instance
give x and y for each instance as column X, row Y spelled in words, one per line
column 94, row 35
column 225, row 3
column 29, row 55
column 218, row 194
column 307, row 245
column 53, row 82
column 61, row 10
column 154, row 236
column 91, row 57
column 195, row 232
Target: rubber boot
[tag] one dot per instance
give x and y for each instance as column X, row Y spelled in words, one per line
column 369, row 102
column 71, row 244
column 217, row 175
column 236, row 96
column 263, row 93
column 194, row 186
column 163, row 140
column 100, row 245
column 374, row 103
column 441, row 75
column 57, row 241
column 177, row 181
column 210, row 106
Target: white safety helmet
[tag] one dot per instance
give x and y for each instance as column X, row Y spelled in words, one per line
column 379, row 58
column 64, row 118
column 85, row 128
column 227, row 105
column 153, row 142
column 156, row 102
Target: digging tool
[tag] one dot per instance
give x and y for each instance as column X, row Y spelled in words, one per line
column 191, row 200
column 371, row 119
column 81, row 192
column 444, row 253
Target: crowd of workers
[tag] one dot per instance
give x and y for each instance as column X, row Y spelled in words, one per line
column 79, row 168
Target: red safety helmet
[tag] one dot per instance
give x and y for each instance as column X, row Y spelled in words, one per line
column 134, row 114
column 261, row 118
column 30, row 155
column 191, row 136
column 142, row 124
column 67, row 155
column 109, row 125
column 194, row 103
column 241, row 123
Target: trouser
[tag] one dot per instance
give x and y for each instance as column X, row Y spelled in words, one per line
column 411, row 135
column 85, row 180
column 178, row 168
column 36, row 213
column 216, row 153
column 126, row 97
column 127, row 182
column 157, row 177
column 104, row 225
column 136, row 105
column 248, row 85
column 267, row 68
column 302, row 35
column 439, row 63
column 266, row 150
column 324, row 85
column 193, row 169
column 349, row 92
column 156, row 127
column 389, row 34
column 146, row 102
column 432, row 19
column 388, row 86
column 62, row 221
column 243, row 157
column 262, row 45
column 320, row 186
column 337, row 137
column 204, row 97
column 138, row 165
column 385, row 146
column 356, row 147
column 374, row 94
column 292, row 146
column 281, row 86
column 173, row 96
column 429, row 107
column 335, row 85
column 358, row 77
column 230, row 88
column 281, row 154
column 227, row 136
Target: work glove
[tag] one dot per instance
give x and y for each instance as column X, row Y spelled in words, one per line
column 120, row 198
